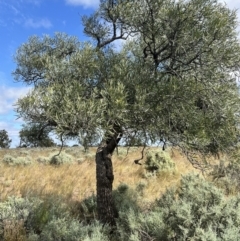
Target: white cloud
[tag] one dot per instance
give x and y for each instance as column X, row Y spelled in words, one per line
column 84, row 3
column 12, row 128
column 232, row 3
column 9, row 96
column 42, row 23
column 3, row 125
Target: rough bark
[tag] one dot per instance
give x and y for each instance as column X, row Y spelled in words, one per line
column 104, row 171
column 105, row 177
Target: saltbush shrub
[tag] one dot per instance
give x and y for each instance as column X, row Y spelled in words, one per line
column 157, row 162
column 16, row 161
column 60, row 159
column 195, row 210
column 199, row 211
column 227, row 176
column 14, row 213
column 125, row 198
column 71, row 230
column 86, row 209
column 49, row 209
column 137, row 226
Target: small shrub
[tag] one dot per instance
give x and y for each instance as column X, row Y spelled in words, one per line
column 157, row 162
column 16, row 161
column 125, row 198
column 227, row 176
column 71, row 230
column 9, row 159
column 63, row 158
column 49, row 209
column 61, row 229
column 136, row 226
column 198, row 210
column 87, row 209
column 14, row 212
column 33, row 237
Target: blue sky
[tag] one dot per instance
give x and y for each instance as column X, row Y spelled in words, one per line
column 20, row 19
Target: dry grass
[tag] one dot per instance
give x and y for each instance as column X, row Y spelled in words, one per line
column 76, row 181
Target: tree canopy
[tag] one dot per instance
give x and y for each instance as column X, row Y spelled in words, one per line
column 5, row 141
column 34, row 135
column 173, row 79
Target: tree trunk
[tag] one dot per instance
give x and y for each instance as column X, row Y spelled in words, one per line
column 104, row 171
column 105, row 205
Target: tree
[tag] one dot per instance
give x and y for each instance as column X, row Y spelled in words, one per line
column 172, row 81
column 5, row 142
column 34, row 135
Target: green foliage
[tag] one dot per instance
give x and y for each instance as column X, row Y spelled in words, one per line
column 158, row 162
column 172, row 81
column 4, row 139
column 34, row 135
column 16, row 161
column 167, row 83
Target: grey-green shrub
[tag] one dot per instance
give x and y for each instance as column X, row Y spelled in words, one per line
column 16, row 209
column 159, row 162
column 61, row 229
column 71, row 230
column 87, row 209
column 199, row 211
column 125, row 198
column 60, row 159
column 135, row 226
column 16, row 161
column 196, row 210
column 49, row 209
column 227, row 176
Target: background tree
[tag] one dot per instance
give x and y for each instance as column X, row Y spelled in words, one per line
column 5, row 142
column 34, row 135
column 173, row 80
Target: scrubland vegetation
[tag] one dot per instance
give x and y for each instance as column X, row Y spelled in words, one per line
column 173, row 81
column 49, row 198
